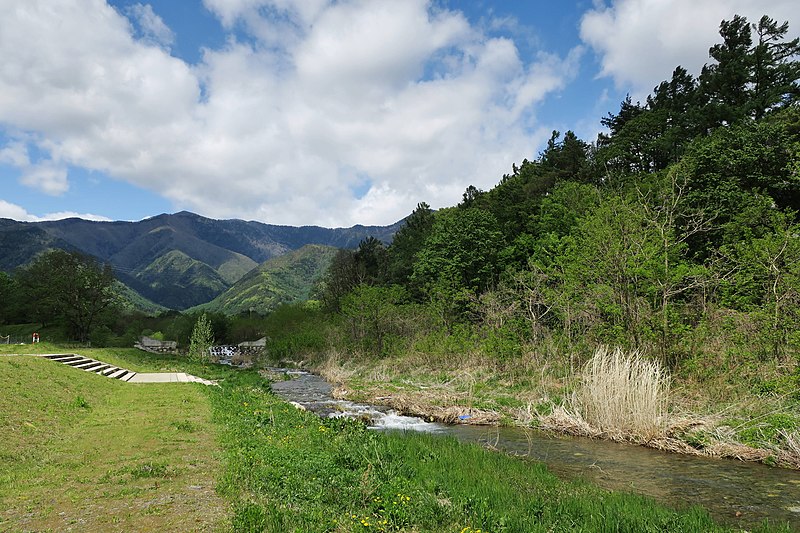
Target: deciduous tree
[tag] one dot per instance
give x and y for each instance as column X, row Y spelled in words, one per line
column 69, row 287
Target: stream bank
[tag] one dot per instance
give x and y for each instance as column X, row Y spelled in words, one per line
column 475, row 395
column 742, row 494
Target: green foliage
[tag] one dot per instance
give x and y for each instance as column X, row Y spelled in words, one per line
column 80, row 402
column 407, row 242
column 768, row 429
column 460, row 253
column 148, row 470
column 69, row 288
column 372, row 315
column 202, row 339
column 293, row 331
column 350, row 268
column 9, row 300
column 764, row 257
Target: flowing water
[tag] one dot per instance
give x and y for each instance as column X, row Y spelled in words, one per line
column 735, row 493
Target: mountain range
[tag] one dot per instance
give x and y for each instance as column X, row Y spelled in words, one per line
column 183, row 260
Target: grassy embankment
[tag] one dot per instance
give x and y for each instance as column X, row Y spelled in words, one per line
column 97, row 454
column 89, row 453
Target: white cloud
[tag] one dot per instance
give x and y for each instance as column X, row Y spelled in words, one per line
column 15, row 212
column 15, row 153
column 150, row 25
column 48, row 177
column 403, row 95
column 44, row 175
column 640, row 42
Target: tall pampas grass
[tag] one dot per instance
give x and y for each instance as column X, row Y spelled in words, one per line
column 623, row 395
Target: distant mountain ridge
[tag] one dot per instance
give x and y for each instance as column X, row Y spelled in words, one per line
column 175, row 260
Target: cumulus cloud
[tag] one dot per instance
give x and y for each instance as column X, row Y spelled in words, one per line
column 45, row 175
column 321, row 98
column 15, row 212
column 639, row 42
column 151, row 26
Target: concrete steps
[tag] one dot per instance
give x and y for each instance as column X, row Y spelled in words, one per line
column 123, row 374
column 91, row 365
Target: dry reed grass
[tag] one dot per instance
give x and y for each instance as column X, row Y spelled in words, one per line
column 414, row 405
column 333, row 369
column 790, row 453
column 623, row 395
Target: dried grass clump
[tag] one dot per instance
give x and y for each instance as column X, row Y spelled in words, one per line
column 621, row 396
column 333, row 369
column 792, row 442
column 790, row 454
column 427, row 409
column 624, row 394
column 562, row 420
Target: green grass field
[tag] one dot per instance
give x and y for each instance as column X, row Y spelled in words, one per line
column 93, row 454
column 90, row 453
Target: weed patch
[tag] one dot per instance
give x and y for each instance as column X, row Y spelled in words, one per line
column 184, row 426
column 80, row 402
column 150, row 470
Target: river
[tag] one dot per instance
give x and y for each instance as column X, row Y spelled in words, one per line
column 735, row 493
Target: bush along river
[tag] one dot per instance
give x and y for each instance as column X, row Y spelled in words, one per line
column 735, row 493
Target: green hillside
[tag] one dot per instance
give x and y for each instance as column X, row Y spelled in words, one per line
column 214, row 254
column 180, row 281
column 132, row 300
column 283, row 279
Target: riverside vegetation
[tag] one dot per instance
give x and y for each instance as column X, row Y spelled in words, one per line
column 97, row 454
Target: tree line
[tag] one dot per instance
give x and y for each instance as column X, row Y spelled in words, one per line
column 683, row 216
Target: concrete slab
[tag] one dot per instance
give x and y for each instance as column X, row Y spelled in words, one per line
column 161, row 377
column 77, row 362
column 168, row 377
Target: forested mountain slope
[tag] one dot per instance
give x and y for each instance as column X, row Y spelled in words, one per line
column 284, row 279
column 179, row 260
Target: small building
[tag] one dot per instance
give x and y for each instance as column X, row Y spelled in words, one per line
column 260, row 343
column 150, row 344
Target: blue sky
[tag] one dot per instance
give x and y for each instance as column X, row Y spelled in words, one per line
column 328, row 112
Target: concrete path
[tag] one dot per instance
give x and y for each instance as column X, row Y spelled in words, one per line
column 168, row 377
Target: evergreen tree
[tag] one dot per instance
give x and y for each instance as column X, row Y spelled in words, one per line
column 775, row 68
